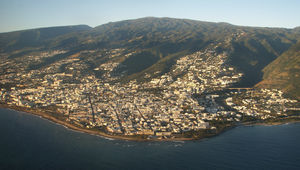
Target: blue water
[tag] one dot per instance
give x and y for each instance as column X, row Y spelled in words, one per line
column 29, row 142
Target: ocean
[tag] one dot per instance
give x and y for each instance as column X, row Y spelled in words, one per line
column 31, row 142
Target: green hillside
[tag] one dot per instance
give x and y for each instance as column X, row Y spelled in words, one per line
column 284, row 72
column 170, row 38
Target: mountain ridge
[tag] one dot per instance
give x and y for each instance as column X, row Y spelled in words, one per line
column 34, row 37
column 164, row 40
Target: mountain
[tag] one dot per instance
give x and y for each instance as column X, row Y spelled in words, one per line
column 284, row 72
column 251, row 49
column 149, row 47
column 170, row 38
column 35, row 38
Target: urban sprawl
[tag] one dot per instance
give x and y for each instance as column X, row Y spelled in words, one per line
column 187, row 98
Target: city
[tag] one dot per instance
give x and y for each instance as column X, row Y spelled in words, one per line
column 193, row 94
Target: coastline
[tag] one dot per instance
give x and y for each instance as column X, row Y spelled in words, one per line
column 85, row 130
column 70, row 126
column 284, row 121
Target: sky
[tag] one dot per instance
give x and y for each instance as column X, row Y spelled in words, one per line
column 27, row 14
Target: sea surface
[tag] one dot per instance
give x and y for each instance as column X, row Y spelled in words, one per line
column 30, row 142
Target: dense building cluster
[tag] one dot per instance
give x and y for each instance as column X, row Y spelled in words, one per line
column 163, row 106
column 261, row 103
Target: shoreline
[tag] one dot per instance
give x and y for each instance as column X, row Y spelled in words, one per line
column 70, row 126
column 84, row 130
column 272, row 123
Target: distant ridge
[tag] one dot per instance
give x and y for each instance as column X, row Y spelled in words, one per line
column 35, row 37
column 79, row 27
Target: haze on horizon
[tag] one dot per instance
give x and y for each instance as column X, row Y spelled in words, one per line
column 27, row 14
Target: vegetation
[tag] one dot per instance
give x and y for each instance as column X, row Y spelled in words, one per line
column 284, row 72
column 35, row 38
column 138, row 62
column 159, row 42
